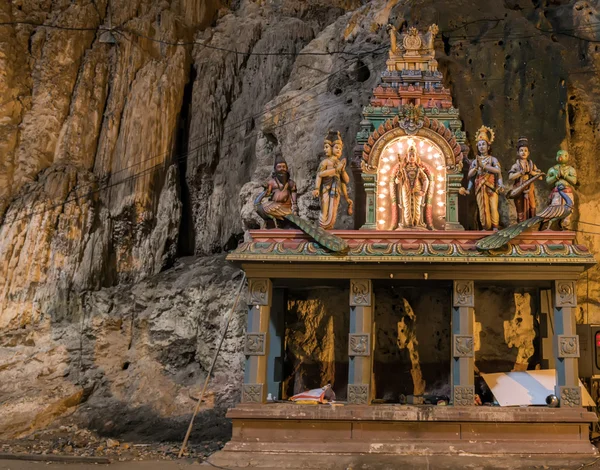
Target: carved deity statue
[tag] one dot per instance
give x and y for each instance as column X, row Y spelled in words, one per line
column 485, row 176
column 563, row 177
column 523, row 174
column 280, row 191
column 332, row 181
column 411, row 189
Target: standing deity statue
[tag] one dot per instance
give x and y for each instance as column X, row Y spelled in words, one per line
column 523, row 174
column 563, row 177
column 332, row 181
column 280, row 191
column 485, row 175
column 411, row 189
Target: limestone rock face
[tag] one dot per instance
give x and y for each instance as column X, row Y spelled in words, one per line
column 118, row 159
column 88, row 195
column 137, row 357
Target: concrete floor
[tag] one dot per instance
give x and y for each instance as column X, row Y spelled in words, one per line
column 379, row 462
column 144, row 465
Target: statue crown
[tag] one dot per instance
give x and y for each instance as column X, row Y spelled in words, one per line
column 522, row 142
column 485, row 133
column 333, row 136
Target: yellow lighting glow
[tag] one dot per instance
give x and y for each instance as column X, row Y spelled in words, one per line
column 388, row 183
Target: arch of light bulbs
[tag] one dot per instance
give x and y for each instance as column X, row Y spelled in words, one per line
column 432, row 156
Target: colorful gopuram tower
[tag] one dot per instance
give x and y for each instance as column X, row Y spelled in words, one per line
column 410, row 107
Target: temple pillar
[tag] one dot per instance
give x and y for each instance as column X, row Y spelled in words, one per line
column 566, row 344
column 360, row 342
column 463, row 357
column 370, row 185
column 454, row 182
column 256, row 348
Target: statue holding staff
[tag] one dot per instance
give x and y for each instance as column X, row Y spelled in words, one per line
column 485, row 176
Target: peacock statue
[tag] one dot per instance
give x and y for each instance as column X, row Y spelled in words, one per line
column 558, row 210
column 322, row 237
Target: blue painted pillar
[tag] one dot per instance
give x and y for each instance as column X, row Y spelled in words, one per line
column 360, row 342
column 256, row 347
column 463, row 357
column 566, row 344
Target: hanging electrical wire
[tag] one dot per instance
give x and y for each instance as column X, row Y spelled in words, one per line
column 481, row 37
column 146, row 172
column 243, row 122
column 227, row 130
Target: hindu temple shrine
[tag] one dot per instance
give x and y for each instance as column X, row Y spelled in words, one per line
column 391, row 312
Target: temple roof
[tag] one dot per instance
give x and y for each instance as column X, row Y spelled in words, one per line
column 370, row 246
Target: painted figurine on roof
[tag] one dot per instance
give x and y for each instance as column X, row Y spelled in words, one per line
column 332, row 181
column 280, row 191
column 563, row 177
column 411, row 189
column 523, row 174
column 277, row 205
column 485, row 176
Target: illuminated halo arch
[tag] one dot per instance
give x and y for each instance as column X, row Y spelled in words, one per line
column 423, row 128
column 431, row 129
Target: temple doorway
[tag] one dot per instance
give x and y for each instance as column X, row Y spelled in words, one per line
column 316, row 338
column 412, row 340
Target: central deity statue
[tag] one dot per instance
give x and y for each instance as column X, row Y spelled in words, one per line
column 485, row 175
column 411, row 189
